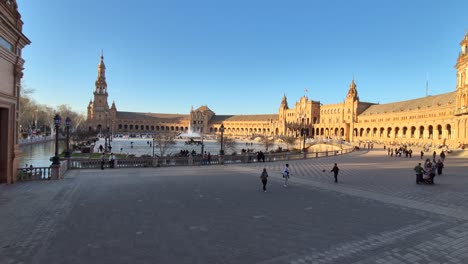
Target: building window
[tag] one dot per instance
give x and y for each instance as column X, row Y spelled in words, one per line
column 4, row 43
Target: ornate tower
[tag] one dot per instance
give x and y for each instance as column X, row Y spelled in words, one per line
column 282, row 115
column 462, row 82
column 350, row 111
column 351, row 103
column 98, row 110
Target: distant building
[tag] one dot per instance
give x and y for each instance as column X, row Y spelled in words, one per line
column 432, row 120
column 12, row 41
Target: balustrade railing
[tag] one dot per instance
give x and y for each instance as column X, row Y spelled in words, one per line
column 200, row 160
column 45, row 173
column 34, row 173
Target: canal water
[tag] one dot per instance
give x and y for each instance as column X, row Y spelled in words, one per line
column 39, row 154
column 142, row 146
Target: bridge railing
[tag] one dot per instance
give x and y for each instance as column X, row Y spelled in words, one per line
column 135, row 162
column 34, row 173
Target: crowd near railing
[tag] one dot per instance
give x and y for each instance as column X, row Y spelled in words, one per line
column 173, row 161
column 46, row 173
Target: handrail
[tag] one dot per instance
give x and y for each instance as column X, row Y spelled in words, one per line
column 134, row 162
column 33, row 173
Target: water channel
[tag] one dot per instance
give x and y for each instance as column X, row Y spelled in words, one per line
column 38, row 154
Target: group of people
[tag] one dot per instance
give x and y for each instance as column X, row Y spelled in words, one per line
column 186, row 153
column 101, row 149
column 398, row 152
column 206, row 158
column 426, row 174
column 260, row 156
column 286, row 175
column 111, row 160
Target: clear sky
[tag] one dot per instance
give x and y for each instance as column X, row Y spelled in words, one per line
column 239, row 56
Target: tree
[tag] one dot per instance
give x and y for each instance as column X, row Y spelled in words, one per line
column 289, row 141
column 267, row 142
column 294, row 127
column 77, row 118
column 164, row 141
column 39, row 117
column 228, row 143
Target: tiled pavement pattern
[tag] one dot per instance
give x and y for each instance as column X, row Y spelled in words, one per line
column 375, row 214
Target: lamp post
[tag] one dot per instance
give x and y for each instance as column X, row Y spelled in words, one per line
column 221, row 129
column 109, row 147
column 304, row 133
column 153, row 144
column 202, row 145
column 57, row 121
column 67, row 126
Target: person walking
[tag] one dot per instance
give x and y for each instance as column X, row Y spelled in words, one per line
column 286, row 174
column 422, row 154
column 335, row 171
column 440, row 166
column 442, row 156
column 419, row 173
column 103, row 160
column 264, row 178
column 111, row 160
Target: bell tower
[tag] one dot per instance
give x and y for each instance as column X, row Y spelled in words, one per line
column 351, row 103
column 462, row 82
column 98, row 109
column 282, row 115
column 350, row 111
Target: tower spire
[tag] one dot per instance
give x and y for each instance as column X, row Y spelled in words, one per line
column 101, row 84
column 352, row 92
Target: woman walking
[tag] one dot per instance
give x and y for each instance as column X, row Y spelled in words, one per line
column 286, row 175
column 264, row 177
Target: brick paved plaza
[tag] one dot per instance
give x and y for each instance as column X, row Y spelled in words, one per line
column 218, row 214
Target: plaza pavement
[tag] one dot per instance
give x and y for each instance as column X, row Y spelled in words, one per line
column 218, row 214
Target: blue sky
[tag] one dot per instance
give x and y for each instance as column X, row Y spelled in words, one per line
column 239, row 57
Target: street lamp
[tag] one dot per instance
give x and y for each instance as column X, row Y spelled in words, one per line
column 67, row 126
column 57, row 121
column 109, row 147
column 304, row 133
column 221, row 129
column 153, row 144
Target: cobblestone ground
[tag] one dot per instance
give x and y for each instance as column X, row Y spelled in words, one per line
column 218, row 214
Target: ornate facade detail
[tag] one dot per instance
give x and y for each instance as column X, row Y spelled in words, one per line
column 432, row 120
column 13, row 41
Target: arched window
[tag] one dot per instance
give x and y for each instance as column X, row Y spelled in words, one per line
column 413, row 130
column 421, row 132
